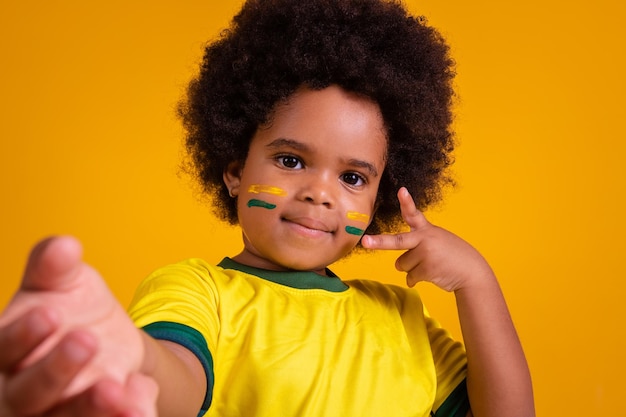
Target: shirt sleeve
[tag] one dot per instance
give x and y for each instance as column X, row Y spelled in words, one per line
column 456, row 405
column 179, row 303
column 451, row 367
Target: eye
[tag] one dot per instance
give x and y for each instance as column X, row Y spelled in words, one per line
column 353, row 179
column 289, row 161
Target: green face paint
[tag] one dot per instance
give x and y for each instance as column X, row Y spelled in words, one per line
column 354, row 230
column 260, row 203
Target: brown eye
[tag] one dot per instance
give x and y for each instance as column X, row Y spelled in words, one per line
column 289, row 161
column 353, row 179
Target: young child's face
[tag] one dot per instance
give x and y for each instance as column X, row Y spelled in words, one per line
column 307, row 189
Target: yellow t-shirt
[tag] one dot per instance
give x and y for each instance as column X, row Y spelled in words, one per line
column 300, row 344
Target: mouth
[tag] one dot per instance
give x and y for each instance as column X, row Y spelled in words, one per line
column 308, row 226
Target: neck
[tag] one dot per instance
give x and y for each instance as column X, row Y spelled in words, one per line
column 255, row 261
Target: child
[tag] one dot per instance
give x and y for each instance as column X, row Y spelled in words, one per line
column 316, row 126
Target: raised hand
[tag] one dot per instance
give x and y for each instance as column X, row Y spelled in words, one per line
column 498, row 379
column 432, row 254
column 66, row 345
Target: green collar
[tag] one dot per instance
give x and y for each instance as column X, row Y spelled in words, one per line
column 303, row 280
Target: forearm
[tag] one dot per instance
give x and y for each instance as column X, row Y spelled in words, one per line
column 179, row 375
column 498, row 378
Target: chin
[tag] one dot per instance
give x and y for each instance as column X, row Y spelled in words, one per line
column 315, row 265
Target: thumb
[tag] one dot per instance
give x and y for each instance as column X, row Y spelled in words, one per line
column 53, row 264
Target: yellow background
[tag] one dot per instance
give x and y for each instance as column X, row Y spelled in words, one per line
column 90, row 146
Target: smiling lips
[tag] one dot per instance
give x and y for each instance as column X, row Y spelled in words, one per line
column 308, row 225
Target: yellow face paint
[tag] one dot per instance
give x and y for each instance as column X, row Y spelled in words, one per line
column 359, row 217
column 267, row 189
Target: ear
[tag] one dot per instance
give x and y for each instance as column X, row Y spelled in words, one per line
column 232, row 177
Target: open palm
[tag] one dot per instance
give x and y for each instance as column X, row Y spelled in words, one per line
column 63, row 332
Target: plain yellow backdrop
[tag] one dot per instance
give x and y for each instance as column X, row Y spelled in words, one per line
column 90, row 146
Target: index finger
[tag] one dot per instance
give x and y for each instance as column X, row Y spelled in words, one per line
column 396, row 241
column 20, row 337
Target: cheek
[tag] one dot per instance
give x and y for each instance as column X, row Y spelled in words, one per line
column 266, row 189
column 262, row 196
column 351, row 230
column 256, row 202
column 356, row 223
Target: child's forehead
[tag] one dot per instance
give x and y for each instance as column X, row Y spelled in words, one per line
column 332, row 106
column 331, row 122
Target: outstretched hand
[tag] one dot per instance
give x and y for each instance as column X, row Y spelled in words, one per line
column 432, row 254
column 67, row 347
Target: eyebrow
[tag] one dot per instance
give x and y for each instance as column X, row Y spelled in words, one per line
column 289, row 143
column 365, row 165
column 299, row 146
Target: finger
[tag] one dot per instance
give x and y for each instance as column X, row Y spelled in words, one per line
column 413, row 266
column 144, row 392
column 137, row 398
column 22, row 336
column 397, row 241
column 104, row 399
column 400, row 241
column 40, row 386
column 52, row 264
column 411, row 215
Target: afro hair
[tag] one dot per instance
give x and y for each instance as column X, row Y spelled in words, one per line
column 369, row 47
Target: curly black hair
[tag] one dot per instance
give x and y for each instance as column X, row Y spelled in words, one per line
column 370, row 47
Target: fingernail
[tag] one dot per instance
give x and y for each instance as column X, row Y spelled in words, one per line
column 79, row 348
column 42, row 322
column 107, row 396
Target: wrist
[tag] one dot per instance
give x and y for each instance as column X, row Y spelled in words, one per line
column 480, row 280
column 148, row 361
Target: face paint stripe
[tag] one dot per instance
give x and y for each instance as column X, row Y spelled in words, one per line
column 260, row 203
column 354, row 230
column 359, row 217
column 268, row 189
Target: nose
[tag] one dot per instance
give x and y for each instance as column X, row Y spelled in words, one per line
column 318, row 188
